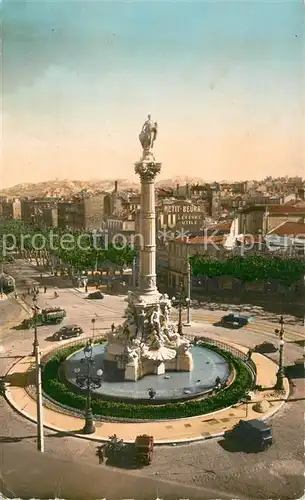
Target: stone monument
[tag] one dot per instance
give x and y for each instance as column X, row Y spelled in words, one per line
column 147, row 342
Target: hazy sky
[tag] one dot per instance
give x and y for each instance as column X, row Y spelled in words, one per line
column 225, row 80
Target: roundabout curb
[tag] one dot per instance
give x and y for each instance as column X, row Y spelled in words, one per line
column 166, row 432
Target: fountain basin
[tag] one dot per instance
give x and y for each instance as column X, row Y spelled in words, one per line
column 171, row 386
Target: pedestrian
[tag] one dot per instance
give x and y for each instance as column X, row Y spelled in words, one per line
column 100, row 454
column 45, row 288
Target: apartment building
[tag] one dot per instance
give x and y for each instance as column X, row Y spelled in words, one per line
column 10, row 209
column 84, row 212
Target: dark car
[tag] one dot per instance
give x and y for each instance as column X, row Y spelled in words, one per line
column 67, row 332
column 234, row 320
column 95, row 295
column 265, row 347
column 253, row 434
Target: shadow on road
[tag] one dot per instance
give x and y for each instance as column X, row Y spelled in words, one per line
column 235, row 446
column 295, row 371
column 17, row 379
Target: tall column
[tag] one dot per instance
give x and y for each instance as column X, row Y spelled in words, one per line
column 148, row 171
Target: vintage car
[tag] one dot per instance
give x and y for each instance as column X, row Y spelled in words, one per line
column 253, row 434
column 235, row 320
column 67, row 332
column 265, row 348
column 95, row 295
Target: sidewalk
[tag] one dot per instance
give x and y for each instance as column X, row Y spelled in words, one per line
column 164, row 432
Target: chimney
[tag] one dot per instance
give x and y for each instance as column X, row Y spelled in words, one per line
column 187, row 190
column 115, row 186
column 177, row 188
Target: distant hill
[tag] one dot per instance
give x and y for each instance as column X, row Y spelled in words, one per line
column 65, row 188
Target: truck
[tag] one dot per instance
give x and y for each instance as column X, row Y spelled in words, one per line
column 48, row 316
column 7, row 283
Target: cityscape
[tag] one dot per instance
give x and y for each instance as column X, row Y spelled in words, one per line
column 152, row 319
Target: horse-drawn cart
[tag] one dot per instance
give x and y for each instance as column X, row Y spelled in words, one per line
column 144, row 447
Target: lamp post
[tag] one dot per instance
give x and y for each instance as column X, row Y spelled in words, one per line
column 280, row 373
column 35, row 309
column 88, row 382
column 93, row 325
column 181, row 301
column 134, row 272
column 188, row 318
column 1, row 279
column 40, row 436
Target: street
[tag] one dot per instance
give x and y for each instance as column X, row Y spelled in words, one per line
column 69, row 468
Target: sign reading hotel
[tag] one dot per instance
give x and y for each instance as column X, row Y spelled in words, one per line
column 183, row 209
column 182, row 214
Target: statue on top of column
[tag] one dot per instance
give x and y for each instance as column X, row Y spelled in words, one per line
column 148, row 134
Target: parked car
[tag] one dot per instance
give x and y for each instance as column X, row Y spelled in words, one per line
column 67, row 332
column 95, row 295
column 254, row 434
column 235, row 320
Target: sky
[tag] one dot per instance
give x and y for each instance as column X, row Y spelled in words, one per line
column 224, row 80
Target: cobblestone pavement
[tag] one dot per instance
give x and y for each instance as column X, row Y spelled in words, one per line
column 276, row 473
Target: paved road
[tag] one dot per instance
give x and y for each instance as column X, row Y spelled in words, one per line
column 69, row 467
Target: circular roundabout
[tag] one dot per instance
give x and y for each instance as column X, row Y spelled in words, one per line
column 208, row 366
column 177, row 395
column 198, row 418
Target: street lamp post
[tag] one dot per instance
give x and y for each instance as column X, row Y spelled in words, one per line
column 1, row 279
column 93, row 329
column 181, row 301
column 188, row 318
column 88, row 382
column 40, row 435
column 280, row 373
column 134, row 272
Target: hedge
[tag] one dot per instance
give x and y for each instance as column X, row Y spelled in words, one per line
column 58, row 391
column 250, row 268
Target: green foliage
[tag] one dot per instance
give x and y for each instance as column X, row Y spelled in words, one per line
column 78, row 249
column 57, row 390
column 251, row 268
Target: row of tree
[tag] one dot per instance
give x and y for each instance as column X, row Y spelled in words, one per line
column 250, row 268
column 79, row 251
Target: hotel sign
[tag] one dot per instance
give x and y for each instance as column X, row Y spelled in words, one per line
column 182, row 214
column 183, row 209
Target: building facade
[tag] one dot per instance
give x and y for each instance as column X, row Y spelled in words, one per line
column 84, row 213
column 180, row 251
column 262, row 219
column 10, row 209
column 39, row 212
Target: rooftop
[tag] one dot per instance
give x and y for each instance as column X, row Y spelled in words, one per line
column 289, row 229
column 287, row 209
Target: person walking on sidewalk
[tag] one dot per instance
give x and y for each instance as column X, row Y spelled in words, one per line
column 45, row 288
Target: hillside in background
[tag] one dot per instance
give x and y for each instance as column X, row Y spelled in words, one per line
column 65, row 188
